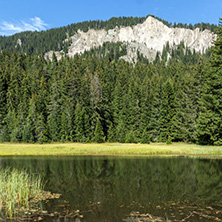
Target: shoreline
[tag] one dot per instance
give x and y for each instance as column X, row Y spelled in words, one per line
column 108, row 149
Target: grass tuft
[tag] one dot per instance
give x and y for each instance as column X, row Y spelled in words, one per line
column 16, row 189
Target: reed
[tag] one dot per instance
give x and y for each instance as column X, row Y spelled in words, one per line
column 16, row 189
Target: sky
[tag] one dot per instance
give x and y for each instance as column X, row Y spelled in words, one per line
column 23, row 15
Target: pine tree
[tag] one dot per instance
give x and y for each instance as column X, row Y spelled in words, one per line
column 130, row 137
column 28, row 132
column 35, row 127
column 3, row 98
column 145, row 137
column 146, row 102
column 98, row 134
column 96, row 99
column 210, row 118
column 184, row 128
column 133, row 114
column 79, row 123
column 111, row 133
column 41, row 130
column 155, row 111
column 10, row 126
column 167, row 120
column 54, row 118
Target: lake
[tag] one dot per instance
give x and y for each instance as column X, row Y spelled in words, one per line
column 112, row 188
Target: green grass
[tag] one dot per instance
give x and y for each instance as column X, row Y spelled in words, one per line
column 108, row 149
column 16, row 189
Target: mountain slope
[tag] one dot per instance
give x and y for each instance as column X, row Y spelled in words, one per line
column 147, row 38
column 54, row 39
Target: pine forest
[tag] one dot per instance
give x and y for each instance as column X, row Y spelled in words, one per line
column 97, row 97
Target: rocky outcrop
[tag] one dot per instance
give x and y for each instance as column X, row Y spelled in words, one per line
column 148, row 38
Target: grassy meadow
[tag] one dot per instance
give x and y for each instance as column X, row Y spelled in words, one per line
column 7, row 149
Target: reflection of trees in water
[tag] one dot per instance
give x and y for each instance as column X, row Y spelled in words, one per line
column 112, row 182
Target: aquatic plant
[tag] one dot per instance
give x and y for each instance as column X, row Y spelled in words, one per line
column 17, row 188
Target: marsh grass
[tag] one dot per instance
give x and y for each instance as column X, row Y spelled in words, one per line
column 16, row 190
column 7, row 149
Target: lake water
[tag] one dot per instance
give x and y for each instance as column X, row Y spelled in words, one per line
column 111, row 188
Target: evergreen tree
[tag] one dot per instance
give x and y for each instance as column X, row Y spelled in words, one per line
column 41, row 134
column 112, row 137
column 146, row 106
column 3, row 98
column 11, row 127
column 155, row 111
column 121, row 130
column 130, row 137
column 79, row 124
column 145, row 137
column 210, row 117
column 167, row 120
column 54, row 117
column 28, row 132
column 98, row 134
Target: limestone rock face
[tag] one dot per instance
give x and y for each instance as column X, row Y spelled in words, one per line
column 148, row 38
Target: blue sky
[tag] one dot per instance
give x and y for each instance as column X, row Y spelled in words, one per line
column 22, row 15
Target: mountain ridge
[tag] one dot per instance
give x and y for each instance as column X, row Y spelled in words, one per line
column 54, row 38
column 147, row 38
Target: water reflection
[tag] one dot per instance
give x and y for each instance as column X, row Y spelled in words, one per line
column 110, row 188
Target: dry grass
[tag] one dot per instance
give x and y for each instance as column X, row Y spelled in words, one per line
column 108, row 149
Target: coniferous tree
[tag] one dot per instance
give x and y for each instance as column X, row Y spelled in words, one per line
column 112, row 137
column 146, row 106
column 210, row 117
column 121, row 130
column 54, row 117
column 145, row 137
column 67, row 126
column 3, row 99
column 167, row 119
column 28, row 132
column 155, row 111
column 130, row 137
column 41, row 132
column 98, row 134
column 79, row 123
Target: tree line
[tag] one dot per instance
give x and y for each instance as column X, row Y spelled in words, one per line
column 90, row 99
column 53, row 39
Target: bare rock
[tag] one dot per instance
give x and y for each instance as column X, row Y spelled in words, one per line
column 148, row 38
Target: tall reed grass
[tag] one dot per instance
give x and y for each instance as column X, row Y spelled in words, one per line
column 16, row 190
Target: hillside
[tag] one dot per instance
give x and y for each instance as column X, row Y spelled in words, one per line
column 59, row 39
column 147, row 39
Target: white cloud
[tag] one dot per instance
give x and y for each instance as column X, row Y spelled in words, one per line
column 39, row 23
column 33, row 24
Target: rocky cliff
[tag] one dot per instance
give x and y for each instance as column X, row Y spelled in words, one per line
column 147, row 38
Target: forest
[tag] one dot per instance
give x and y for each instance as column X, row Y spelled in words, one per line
column 92, row 98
